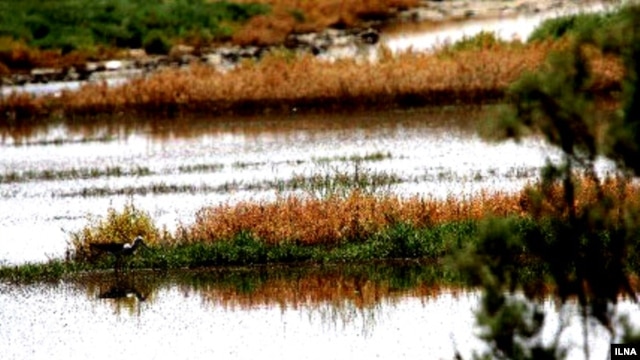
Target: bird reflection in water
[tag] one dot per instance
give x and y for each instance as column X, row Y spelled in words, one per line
column 123, row 292
column 124, row 287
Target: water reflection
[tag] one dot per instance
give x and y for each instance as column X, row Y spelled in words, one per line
column 386, row 310
column 122, row 288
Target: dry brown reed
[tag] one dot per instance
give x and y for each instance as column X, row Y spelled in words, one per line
column 329, row 221
column 313, row 221
column 620, row 194
column 16, row 56
column 280, row 82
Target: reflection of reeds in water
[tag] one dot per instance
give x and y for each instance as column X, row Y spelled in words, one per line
column 337, row 293
column 123, row 292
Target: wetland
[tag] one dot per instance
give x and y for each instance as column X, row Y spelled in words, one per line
column 356, row 213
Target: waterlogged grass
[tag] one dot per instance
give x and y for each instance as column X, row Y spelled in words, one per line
column 363, row 177
column 308, row 230
column 200, row 168
column 65, row 141
column 436, row 246
column 375, row 156
column 332, row 181
column 72, row 174
column 52, row 270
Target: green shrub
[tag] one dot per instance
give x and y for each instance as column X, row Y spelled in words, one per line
column 118, row 226
column 155, row 43
column 556, row 28
column 75, row 24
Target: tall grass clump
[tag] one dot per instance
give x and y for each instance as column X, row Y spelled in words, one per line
column 484, row 40
column 337, row 181
column 117, row 226
column 336, row 219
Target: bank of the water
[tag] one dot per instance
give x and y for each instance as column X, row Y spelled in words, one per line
column 437, row 246
column 401, row 241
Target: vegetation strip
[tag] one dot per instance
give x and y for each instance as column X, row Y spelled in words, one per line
column 116, row 171
column 401, row 241
column 467, row 77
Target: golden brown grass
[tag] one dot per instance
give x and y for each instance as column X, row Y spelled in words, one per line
column 329, row 221
column 313, row 221
column 300, row 16
column 280, row 82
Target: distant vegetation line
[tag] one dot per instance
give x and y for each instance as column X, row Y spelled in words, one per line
column 83, row 25
column 67, row 32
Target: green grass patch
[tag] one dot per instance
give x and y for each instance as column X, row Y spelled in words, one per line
column 398, row 242
column 85, row 24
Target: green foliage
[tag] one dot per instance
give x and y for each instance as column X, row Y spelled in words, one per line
column 81, row 24
column 118, row 226
column 480, row 41
column 155, row 43
column 576, row 25
column 585, row 246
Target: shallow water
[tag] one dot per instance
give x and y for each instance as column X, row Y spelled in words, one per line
column 433, row 153
column 173, row 168
column 289, row 313
column 428, row 37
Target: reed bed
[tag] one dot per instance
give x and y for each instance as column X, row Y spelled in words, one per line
column 358, row 216
column 282, row 83
column 327, row 221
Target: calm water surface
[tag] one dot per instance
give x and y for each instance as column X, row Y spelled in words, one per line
column 333, row 313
